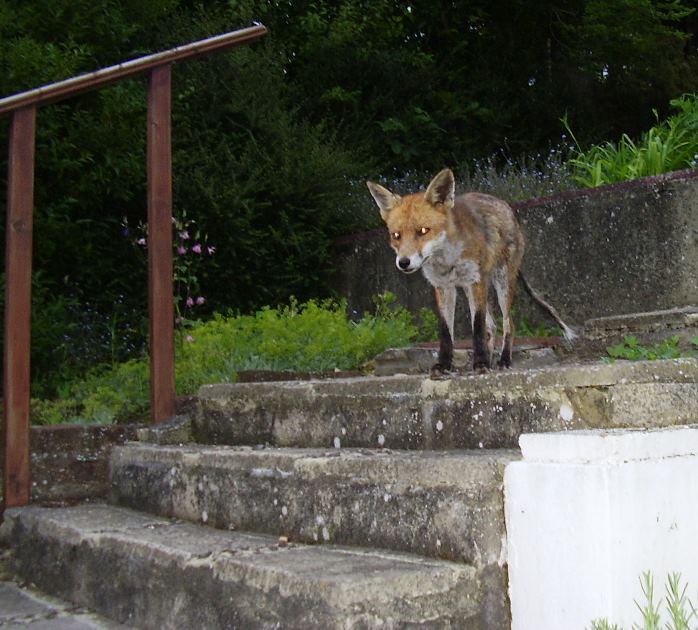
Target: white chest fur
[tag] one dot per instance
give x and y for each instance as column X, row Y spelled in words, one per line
column 445, row 268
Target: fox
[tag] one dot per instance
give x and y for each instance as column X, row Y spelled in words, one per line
column 470, row 241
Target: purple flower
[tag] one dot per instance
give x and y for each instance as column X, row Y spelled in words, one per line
column 141, row 241
column 181, row 250
column 211, row 249
column 197, row 248
column 189, row 339
column 190, row 301
column 200, row 300
column 184, row 235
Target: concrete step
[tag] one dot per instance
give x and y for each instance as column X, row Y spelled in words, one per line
column 467, row 411
column 442, row 504
column 152, row 573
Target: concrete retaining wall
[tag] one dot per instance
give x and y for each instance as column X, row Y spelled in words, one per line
column 588, row 512
column 616, row 249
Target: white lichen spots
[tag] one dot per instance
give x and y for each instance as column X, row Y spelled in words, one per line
column 439, row 425
column 438, row 544
column 204, row 516
column 344, row 431
column 387, row 497
column 480, row 445
column 276, row 502
column 320, row 519
column 325, row 534
column 385, row 422
column 549, row 219
column 200, row 486
column 566, row 412
column 173, row 471
column 284, row 510
column 381, row 440
column 479, row 414
column 337, row 443
column 315, row 537
column 356, row 507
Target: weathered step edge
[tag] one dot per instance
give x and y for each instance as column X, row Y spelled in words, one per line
column 441, row 504
column 468, row 411
column 150, row 573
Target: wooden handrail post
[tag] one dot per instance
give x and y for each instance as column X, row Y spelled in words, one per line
column 18, row 277
column 160, row 266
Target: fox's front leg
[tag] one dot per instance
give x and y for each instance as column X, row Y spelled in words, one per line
column 446, row 303
column 482, row 329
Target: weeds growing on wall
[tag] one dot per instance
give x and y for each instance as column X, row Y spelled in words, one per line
column 632, row 350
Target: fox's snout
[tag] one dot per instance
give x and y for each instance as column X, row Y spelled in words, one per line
column 408, row 265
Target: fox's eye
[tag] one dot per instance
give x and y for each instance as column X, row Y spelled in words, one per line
column 396, row 236
column 422, row 231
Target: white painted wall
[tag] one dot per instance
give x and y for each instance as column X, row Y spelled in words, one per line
column 587, row 512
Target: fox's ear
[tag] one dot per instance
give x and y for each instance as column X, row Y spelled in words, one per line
column 384, row 198
column 442, row 189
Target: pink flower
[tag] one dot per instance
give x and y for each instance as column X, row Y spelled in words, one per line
column 184, row 235
column 200, row 300
column 190, row 302
column 181, row 250
column 141, row 241
column 189, row 339
column 211, row 249
column 196, row 249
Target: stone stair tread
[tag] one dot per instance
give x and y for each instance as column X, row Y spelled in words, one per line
column 444, row 504
column 467, row 411
column 150, row 572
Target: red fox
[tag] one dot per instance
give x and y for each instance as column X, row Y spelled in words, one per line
column 471, row 241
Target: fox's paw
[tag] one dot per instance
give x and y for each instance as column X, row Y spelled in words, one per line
column 481, row 366
column 440, row 372
column 504, row 363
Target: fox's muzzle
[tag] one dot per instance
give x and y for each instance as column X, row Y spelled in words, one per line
column 408, row 265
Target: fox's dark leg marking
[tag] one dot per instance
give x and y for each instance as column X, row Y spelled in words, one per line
column 446, row 302
column 445, row 350
column 481, row 355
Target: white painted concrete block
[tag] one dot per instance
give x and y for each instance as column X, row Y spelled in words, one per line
column 587, row 512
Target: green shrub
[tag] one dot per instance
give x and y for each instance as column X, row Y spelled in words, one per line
column 310, row 337
column 668, row 146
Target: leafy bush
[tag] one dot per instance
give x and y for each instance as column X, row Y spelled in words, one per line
column 309, row 337
column 668, row 146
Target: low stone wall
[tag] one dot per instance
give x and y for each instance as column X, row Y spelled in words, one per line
column 615, row 249
column 70, row 462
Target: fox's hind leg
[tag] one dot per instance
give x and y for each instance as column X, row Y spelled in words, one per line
column 446, row 302
column 504, row 281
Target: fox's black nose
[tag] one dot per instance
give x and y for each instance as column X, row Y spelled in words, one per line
column 403, row 263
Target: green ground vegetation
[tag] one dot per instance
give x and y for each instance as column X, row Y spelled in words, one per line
column 632, row 350
column 314, row 336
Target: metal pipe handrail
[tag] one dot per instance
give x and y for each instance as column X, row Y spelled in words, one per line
column 99, row 78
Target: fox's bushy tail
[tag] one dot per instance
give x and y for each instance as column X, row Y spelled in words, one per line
column 569, row 333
